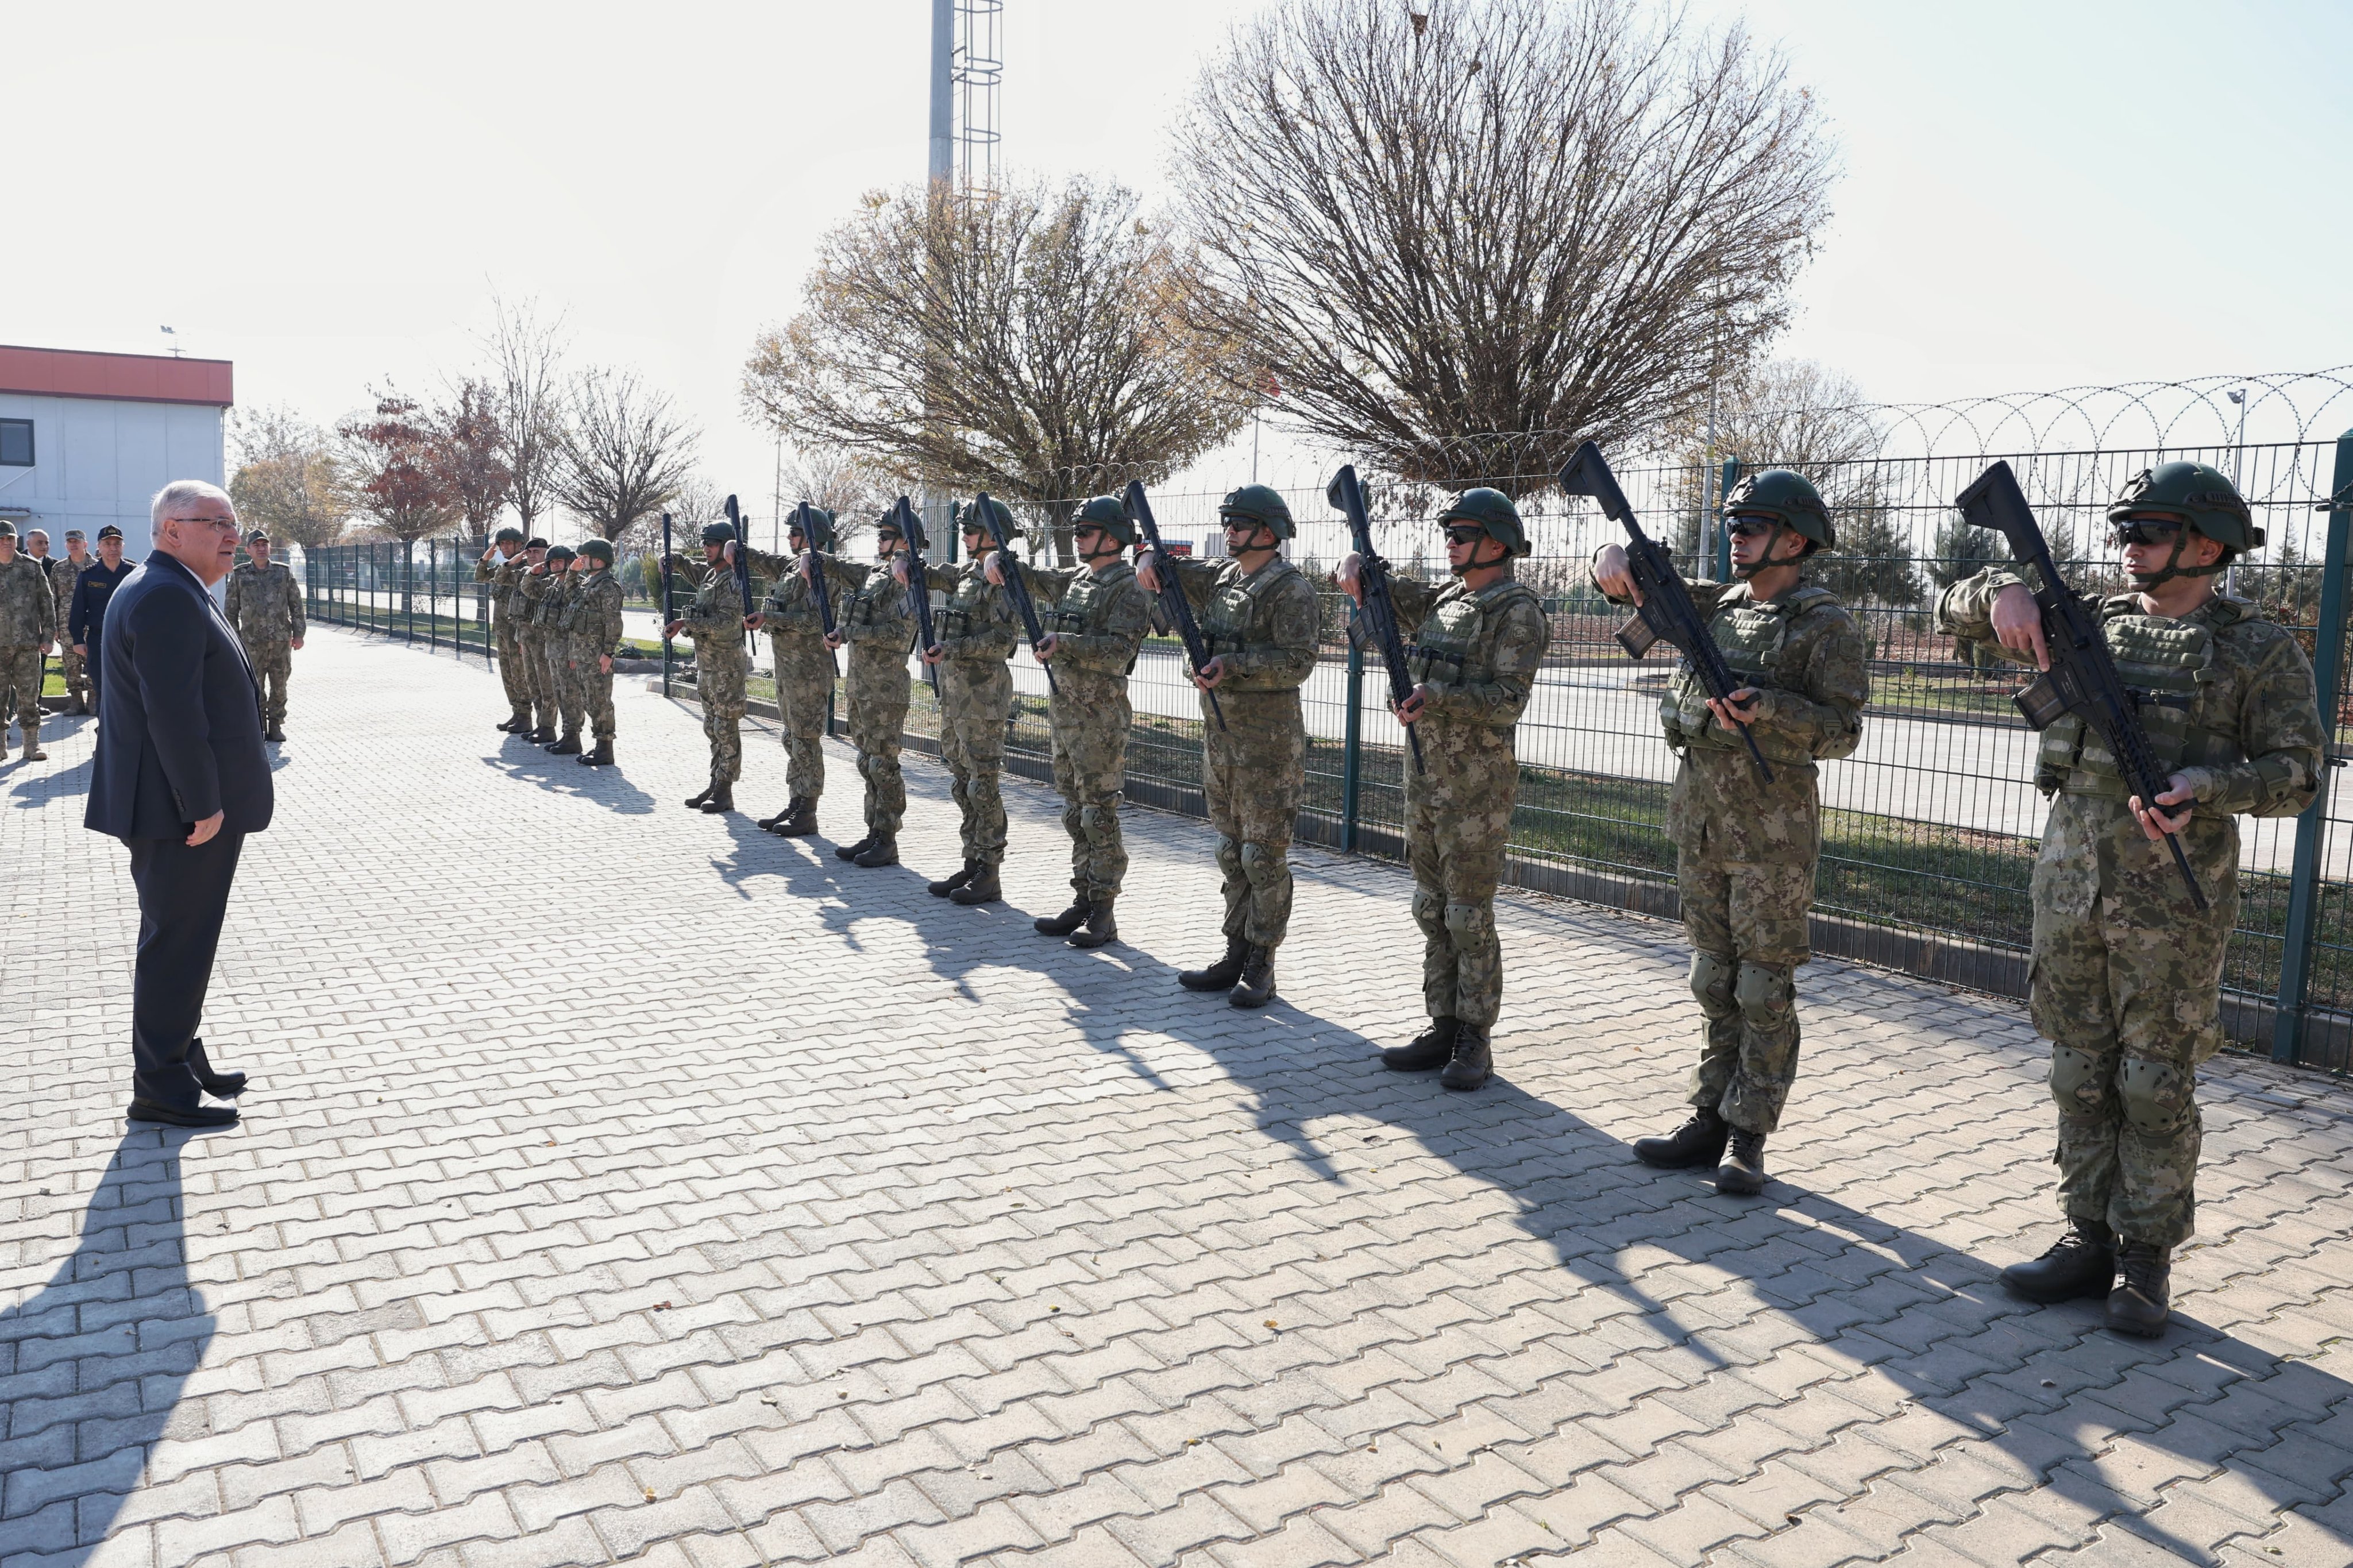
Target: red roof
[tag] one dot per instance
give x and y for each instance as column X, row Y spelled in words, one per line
column 130, row 378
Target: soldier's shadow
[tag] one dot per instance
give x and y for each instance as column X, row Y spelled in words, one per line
column 32, row 786
column 608, row 787
column 103, row 1350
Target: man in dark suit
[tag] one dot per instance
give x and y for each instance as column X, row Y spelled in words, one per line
column 181, row 776
column 86, row 616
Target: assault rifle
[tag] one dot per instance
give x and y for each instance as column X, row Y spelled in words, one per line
column 1173, row 606
column 2082, row 677
column 1376, row 612
column 1016, row 587
column 668, row 568
column 803, row 520
column 919, row 585
column 743, row 567
column 1666, row 613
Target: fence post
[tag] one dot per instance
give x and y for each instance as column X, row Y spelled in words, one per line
column 432, row 595
column 2312, row 825
column 1352, row 767
column 1723, row 537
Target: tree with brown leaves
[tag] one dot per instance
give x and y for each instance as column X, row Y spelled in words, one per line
column 288, row 481
column 389, row 466
column 469, row 447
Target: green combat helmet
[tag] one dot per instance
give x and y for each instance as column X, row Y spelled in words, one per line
column 1492, row 510
column 599, row 551
column 508, row 536
column 718, row 534
column 1790, row 499
column 1106, row 513
column 820, row 531
column 1258, row 503
column 998, row 508
column 2194, row 494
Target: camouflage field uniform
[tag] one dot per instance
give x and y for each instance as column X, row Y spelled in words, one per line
column 1746, row 851
column 552, row 615
column 1255, row 768
column 715, row 622
column 28, row 618
column 805, row 670
column 1478, row 654
column 870, row 610
column 1101, row 618
column 62, row 572
column 2126, row 974
column 592, row 624
column 531, row 644
column 975, row 629
column 265, row 605
column 514, row 669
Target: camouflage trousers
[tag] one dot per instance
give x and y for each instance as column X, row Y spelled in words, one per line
column 515, row 671
column 77, row 678
column 804, row 698
column 273, row 665
column 877, row 692
column 719, row 672
column 1458, row 817
column 532, row 642
column 1090, row 720
column 1747, row 922
column 976, row 697
column 2127, row 985
column 570, row 699
column 20, row 680
column 1253, row 773
column 593, row 682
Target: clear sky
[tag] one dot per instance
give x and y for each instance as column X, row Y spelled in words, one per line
column 2034, row 195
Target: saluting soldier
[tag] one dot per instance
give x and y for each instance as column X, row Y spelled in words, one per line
column 2126, row 974
column 264, row 603
column 1745, row 850
column 533, row 580
column 28, row 624
column 1259, row 615
column 721, row 665
column 593, row 622
column 1094, row 631
column 805, row 669
column 1478, row 643
column 553, row 614
column 872, row 617
column 500, row 566
column 976, row 632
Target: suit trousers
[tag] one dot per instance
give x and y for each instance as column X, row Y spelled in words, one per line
column 183, row 897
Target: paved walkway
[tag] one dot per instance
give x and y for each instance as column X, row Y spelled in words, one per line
column 623, row 1183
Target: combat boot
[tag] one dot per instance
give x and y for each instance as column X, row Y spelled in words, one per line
column 881, row 852
column 33, row 753
column 1742, row 1174
column 695, row 800
column 2143, row 1298
column 1699, row 1142
column 722, row 798
column 770, row 824
column 982, row 889
column 1256, row 986
column 2081, row 1263
column 1433, row 1047
column 800, row 820
column 515, row 723
column 1100, row 929
column 1474, row 1062
column 602, row 757
column 852, row 851
column 567, row 747
column 1220, row 976
column 278, row 732
column 81, row 704
column 543, row 736
column 950, row 883
column 1066, row 922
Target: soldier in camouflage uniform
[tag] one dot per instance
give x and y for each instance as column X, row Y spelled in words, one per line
column 533, row 580
column 804, row 667
column 1093, row 633
column 63, row 573
column 593, row 620
column 1259, row 617
column 1479, row 641
column 2126, row 974
column 501, row 566
column 721, row 666
column 874, row 617
column 975, row 629
column 264, row 605
column 553, row 614
column 28, row 624
column 1745, row 850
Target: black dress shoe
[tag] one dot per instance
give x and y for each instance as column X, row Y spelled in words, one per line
column 219, row 1085
column 173, row 1116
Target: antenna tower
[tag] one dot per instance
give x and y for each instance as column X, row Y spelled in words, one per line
column 979, row 73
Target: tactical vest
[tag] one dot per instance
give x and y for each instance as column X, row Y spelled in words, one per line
column 963, row 615
column 1227, row 620
column 2162, row 662
column 1087, row 602
column 1449, row 647
column 878, row 609
column 1750, row 635
column 791, row 608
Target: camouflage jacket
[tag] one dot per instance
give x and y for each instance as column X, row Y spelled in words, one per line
column 28, row 604
column 1101, row 617
column 1477, row 653
column 869, row 604
column 977, row 626
column 505, row 579
column 592, row 612
column 790, row 611
column 62, row 572
column 2226, row 696
column 547, row 608
column 1263, row 624
column 265, row 603
column 529, row 586
column 715, row 619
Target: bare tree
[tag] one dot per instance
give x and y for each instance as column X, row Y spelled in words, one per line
column 527, row 375
column 625, row 451
column 1463, row 239
column 469, row 447
column 288, row 480
column 388, row 463
column 1024, row 346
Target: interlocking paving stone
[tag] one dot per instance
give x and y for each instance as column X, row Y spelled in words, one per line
column 624, row 1183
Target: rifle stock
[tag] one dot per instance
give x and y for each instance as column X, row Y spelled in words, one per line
column 919, row 585
column 1173, row 606
column 1016, row 587
column 1375, row 609
column 743, row 570
column 807, row 524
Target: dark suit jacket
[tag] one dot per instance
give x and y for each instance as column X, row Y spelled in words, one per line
column 86, row 610
column 179, row 733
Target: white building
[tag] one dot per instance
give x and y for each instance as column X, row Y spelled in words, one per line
column 86, row 439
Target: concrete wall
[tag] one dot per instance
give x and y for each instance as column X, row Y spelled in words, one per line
column 98, row 460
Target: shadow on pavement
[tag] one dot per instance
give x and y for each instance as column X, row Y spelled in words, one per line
column 100, row 1354
column 608, row 787
column 32, row 786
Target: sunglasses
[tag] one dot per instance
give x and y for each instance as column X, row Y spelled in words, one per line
column 1465, row 534
column 1750, row 527
column 2147, row 531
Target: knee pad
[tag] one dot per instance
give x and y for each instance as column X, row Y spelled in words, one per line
column 1265, row 867
column 2156, row 1095
column 1711, row 982
column 1230, row 858
column 1470, row 925
column 1764, row 993
column 1429, row 913
column 1096, row 821
column 2072, row 1074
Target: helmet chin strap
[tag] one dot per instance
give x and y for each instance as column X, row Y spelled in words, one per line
column 1763, row 556
column 1475, row 564
column 2173, row 567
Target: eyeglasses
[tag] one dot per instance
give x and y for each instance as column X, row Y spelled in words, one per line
column 218, row 524
column 1750, row 527
column 2147, row 531
column 1466, row 533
